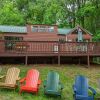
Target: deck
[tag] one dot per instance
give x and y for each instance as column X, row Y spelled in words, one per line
column 48, row 48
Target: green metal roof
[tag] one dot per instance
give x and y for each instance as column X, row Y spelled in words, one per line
column 14, row 29
column 23, row 29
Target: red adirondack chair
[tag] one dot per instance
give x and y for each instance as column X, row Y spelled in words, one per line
column 31, row 82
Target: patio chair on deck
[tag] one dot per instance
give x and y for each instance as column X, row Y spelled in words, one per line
column 10, row 78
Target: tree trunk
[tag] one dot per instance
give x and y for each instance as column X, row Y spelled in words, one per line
column 82, row 21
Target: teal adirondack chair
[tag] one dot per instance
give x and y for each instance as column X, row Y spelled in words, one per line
column 52, row 85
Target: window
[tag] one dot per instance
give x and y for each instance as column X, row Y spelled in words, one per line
column 9, row 45
column 62, row 40
column 35, row 29
column 55, row 49
column 69, row 40
column 51, row 29
column 75, row 32
column 42, row 28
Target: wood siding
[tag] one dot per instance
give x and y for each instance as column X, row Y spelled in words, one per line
column 73, row 37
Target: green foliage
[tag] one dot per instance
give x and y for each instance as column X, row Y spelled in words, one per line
column 10, row 15
column 97, row 36
column 96, row 60
column 65, row 13
column 87, row 10
column 53, row 13
column 66, row 73
column 35, row 14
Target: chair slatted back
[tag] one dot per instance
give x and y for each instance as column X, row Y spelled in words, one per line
column 12, row 75
column 32, row 78
column 81, row 84
column 52, row 81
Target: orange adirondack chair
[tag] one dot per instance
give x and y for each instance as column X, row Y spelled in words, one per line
column 31, row 82
column 10, row 78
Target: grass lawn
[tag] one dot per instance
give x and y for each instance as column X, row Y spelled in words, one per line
column 67, row 75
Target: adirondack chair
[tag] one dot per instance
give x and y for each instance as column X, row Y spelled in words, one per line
column 31, row 82
column 10, row 78
column 81, row 89
column 52, row 85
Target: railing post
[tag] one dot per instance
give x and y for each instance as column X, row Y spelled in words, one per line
column 26, row 57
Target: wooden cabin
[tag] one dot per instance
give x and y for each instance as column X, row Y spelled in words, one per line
column 40, row 33
column 43, row 33
column 46, row 41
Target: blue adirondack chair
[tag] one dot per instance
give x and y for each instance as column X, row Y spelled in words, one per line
column 81, row 89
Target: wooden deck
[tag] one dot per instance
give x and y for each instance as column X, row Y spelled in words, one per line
column 48, row 48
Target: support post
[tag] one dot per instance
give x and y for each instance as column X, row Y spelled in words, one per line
column 79, row 62
column 58, row 60
column 26, row 59
column 88, row 58
column 88, row 61
column 59, row 53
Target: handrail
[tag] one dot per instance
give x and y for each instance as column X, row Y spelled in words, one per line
column 49, row 47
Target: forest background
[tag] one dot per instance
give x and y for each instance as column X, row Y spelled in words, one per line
column 64, row 13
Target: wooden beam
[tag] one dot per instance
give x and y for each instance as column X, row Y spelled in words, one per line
column 59, row 53
column 58, row 60
column 26, row 60
column 88, row 58
column 79, row 61
column 88, row 61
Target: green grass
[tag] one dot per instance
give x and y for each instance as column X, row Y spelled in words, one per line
column 67, row 75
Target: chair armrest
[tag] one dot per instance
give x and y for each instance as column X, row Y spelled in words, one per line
column 39, row 82
column 18, row 78
column 2, row 76
column 62, row 86
column 74, row 88
column 93, row 91
column 45, row 83
column 22, row 80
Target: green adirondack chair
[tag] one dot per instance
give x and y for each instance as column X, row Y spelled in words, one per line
column 52, row 85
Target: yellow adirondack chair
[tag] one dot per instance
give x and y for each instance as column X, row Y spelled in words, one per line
column 10, row 78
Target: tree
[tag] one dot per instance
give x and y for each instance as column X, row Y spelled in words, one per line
column 10, row 15
column 53, row 13
column 65, row 13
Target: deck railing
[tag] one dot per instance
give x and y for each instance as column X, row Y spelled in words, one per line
column 49, row 47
